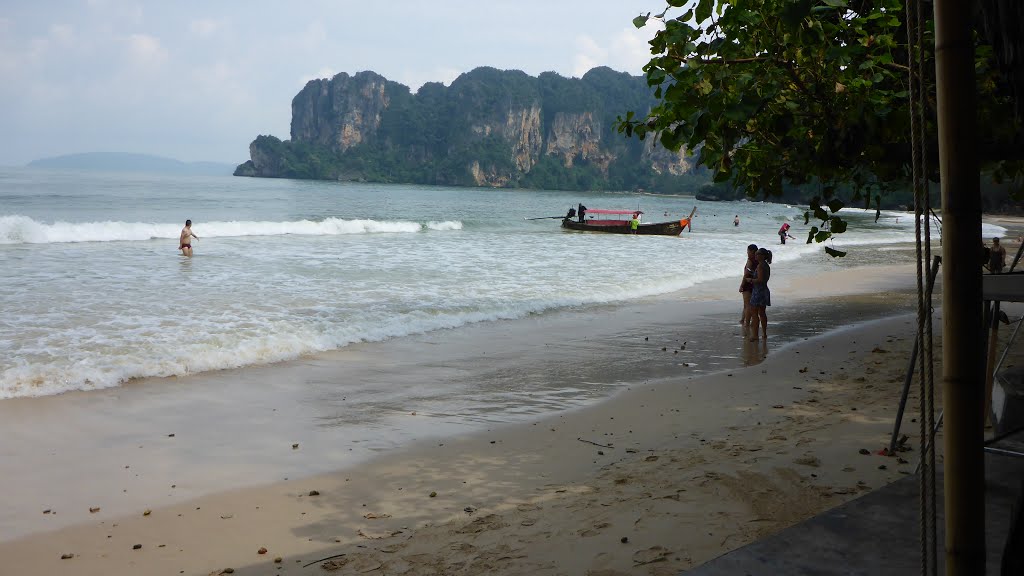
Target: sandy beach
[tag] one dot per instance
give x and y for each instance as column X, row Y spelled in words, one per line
column 689, row 442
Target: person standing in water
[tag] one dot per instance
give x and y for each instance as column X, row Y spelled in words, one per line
column 784, row 232
column 749, row 272
column 185, row 241
column 760, row 296
column 736, row 220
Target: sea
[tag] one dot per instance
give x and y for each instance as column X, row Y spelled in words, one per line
column 95, row 293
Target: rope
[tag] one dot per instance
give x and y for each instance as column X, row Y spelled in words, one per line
column 929, row 346
column 922, row 211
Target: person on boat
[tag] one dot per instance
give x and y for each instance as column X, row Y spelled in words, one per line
column 996, row 257
column 760, row 296
column 634, row 223
column 784, row 232
column 736, row 220
column 581, row 211
column 570, row 214
column 185, row 240
column 749, row 272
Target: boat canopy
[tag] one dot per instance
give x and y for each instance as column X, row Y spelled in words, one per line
column 600, row 211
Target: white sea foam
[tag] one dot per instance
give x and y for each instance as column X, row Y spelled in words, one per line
column 86, row 317
column 447, row 225
column 17, row 229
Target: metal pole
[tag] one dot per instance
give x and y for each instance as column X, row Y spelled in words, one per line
column 1009, row 343
column 910, row 369
column 990, row 357
column 963, row 393
column 1020, row 250
column 903, row 398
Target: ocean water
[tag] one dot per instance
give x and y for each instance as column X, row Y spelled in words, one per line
column 95, row 292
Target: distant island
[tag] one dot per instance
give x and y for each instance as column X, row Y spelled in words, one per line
column 494, row 128
column 130, row 162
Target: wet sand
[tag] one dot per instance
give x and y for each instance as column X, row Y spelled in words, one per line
column 544, row 441
column 156, row 442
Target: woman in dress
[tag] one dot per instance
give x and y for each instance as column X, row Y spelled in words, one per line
column 760, row 296
column 749, row 271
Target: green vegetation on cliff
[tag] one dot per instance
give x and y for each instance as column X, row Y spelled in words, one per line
column 488, row 128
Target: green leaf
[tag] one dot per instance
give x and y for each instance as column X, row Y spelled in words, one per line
column 835, row 205
column 837, row 225
column 822, row 236
column 835, row 3
column 641, row 21
column 794, row 11
column 834, row 253
column 807, row 218
column 811, row 234
column 703, row 10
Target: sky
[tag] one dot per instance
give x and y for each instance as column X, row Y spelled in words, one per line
column 199, row 80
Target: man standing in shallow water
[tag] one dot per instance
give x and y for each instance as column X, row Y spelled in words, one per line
column 185, row 241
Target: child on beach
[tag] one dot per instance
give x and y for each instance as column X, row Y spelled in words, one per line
column 784, row 232
column 749, row 272
column 760, row 296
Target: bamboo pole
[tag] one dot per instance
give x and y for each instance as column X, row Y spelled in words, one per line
column 962, row 351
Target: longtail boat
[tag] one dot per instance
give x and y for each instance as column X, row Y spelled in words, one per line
column 621, row 226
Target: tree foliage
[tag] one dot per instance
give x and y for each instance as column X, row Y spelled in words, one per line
column 777, row 93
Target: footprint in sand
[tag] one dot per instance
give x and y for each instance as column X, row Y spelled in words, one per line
column 650, row 555
column 808, row 460
column 595, row 530
column 354, row 562
column 482, row 524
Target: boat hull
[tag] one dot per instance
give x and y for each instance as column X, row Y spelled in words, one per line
column 672, row 228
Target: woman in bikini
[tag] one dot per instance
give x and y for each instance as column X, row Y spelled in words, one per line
column 760, row 296
column 749, row 272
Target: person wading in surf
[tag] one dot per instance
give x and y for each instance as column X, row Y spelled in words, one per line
column 185, row 241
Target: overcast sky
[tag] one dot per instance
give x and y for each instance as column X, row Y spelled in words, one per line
column 198, row 80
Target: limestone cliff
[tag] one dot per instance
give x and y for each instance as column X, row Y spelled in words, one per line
column 577, row 137
column 488, row 128
column 341, row 112
column 664, row 161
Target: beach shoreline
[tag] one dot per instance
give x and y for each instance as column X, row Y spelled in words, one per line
column 681, row 483
column 613, row 423
column 216, row 431
column 155, row 482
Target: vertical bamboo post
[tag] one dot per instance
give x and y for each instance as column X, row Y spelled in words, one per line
column 962, row 352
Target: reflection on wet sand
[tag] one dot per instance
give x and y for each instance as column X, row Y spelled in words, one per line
column 754, row 352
